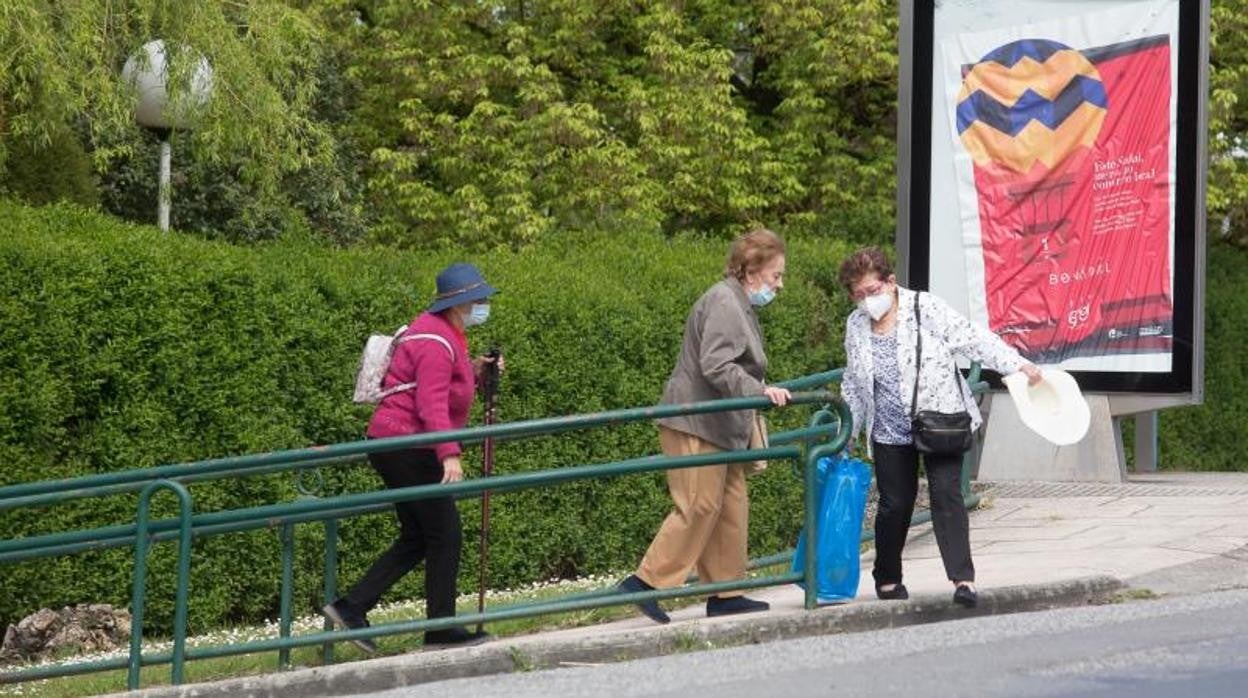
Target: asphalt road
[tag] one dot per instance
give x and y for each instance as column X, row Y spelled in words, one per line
column 1193, row 646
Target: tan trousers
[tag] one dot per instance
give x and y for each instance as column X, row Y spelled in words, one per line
column 708, row 526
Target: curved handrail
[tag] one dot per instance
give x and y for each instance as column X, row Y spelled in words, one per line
column 272, row 515
column 269, row 515
column 814, row 380
column 832, row 424
column 827, row 433
column 55, row 491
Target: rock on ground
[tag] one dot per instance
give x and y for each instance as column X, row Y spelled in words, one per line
column 72, row 630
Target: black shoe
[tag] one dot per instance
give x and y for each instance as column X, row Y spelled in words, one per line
column 343, row 616
column 715, row 606
column 897, row 593
column 455, row 637
column 965, row 596
column 650, row 607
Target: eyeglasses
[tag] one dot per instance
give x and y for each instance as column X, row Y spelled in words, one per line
column 868, row 291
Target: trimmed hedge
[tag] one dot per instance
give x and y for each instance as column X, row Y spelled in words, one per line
column 1209, row 436
column 126, row 348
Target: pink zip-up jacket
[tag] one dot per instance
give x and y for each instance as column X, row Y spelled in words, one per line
column 444, row 387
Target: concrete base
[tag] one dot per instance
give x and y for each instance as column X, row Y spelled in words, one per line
column 1011, row 451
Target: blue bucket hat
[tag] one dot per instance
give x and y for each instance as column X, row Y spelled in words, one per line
column 459, row 283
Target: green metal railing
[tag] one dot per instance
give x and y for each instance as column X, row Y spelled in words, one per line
column 829, row 425
column 827, row 433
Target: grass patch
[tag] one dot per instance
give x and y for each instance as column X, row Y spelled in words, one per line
column 685, row 642
column 267, row 662
column 520, row 660
column 301, row 658
column 1128, row 595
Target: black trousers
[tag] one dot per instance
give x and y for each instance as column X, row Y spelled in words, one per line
column 897, row 479
column 429, row 529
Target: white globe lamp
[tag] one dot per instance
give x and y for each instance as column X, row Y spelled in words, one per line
column 148, row 72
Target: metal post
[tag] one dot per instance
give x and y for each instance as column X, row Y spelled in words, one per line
column 288, row 583
column 166, row 180
column 331, row 581
column 182, row 600
column 971, row 457
column 812, row 527
column 1146, row 442
column 138, row 595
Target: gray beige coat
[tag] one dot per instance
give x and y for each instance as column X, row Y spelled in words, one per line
column 721, row 356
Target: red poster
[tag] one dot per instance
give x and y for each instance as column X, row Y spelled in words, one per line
column 1072, row 170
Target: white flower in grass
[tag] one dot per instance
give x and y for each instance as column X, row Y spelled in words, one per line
column 408, row 608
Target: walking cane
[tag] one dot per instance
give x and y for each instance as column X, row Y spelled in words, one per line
column 490, row 385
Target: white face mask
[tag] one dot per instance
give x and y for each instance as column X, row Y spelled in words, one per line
column 877, row 306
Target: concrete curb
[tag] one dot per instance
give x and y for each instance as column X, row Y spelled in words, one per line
column 538, row 652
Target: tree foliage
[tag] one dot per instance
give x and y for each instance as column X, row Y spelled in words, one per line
column 495, row 122
column 43, row 174
column 1228, row 122
column 61, row 64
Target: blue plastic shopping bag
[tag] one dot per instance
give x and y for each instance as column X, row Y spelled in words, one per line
column 842, row 485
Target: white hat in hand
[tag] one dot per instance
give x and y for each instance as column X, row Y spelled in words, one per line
column 1053, row 408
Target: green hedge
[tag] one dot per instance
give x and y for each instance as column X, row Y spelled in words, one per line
column 1209, row 436
column 126, row 348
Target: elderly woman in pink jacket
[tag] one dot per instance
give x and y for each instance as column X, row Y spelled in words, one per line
column 430, row 382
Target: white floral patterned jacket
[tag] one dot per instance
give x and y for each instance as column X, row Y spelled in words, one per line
column 945, row 333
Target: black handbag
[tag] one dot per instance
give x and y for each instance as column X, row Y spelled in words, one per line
column 937, row 433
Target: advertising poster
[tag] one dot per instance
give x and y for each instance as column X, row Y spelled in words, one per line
column 1063, row 144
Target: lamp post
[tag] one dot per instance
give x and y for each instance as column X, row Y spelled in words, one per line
column 148, row 72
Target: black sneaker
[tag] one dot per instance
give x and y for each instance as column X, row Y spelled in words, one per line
column 897, row 593
column 343, row 616
column 650, row 607
column 455, row 637
column 965, row 596
column 715, row 606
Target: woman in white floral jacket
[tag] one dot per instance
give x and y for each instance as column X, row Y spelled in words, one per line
column 878, row 385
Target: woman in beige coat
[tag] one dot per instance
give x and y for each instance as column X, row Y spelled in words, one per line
column 721, row 357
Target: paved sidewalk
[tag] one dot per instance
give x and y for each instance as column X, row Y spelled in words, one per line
column 1036, row 545
column 1028, row 534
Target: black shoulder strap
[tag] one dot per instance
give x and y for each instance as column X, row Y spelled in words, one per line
column 918, row 355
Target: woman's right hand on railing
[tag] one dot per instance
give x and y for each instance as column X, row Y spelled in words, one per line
column 452, row 469
column 778, row 396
